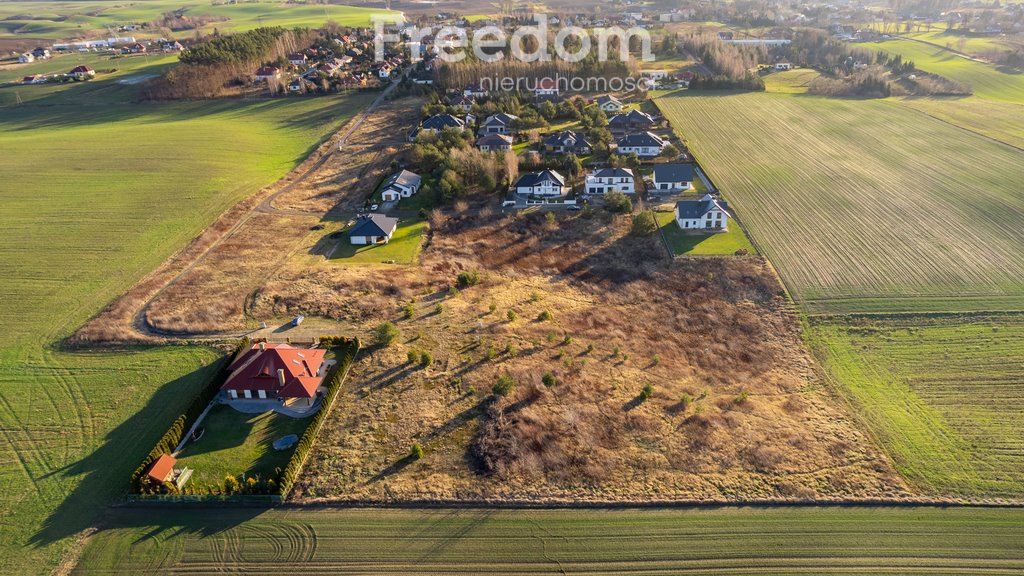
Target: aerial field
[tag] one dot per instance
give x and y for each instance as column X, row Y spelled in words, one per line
column 694, row 541
column 68, row 20
column 987, row 81
column 98, row 190
column 942, row 394
column 865, row 206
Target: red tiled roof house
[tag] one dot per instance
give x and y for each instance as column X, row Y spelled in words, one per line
column 275, row 371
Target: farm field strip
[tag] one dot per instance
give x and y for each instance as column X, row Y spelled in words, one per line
column 126, row 186
column 858, row 212
column 996, row 120
column 941, row 394
column 699, row 541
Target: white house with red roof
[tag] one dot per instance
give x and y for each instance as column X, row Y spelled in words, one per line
column 268, row 73
column 82, row 72
column 275, row 371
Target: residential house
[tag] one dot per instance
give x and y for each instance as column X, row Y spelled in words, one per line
column 137, row 48
column 439, row 122
column 373, row 229
column 545, row 183
column 671, row 178
column 41, row 53
column 384, row 70
column 34, row 79
column 500, row 123
column 705, row 213
column 608, row 179
column 783, row 66
column 494, row 143
column 632, row 120
column 26, row 58
column 267, row 73
column 610, row 104
column 567, row 142
column 474, row 91
column 298, row 85
column 297, row 59
column 463, row 103
column 275, row 371
column 401, row 184
column 645, row 144
column 546, row 88
column 171, row 46
column 83, row 71
column 655, row 74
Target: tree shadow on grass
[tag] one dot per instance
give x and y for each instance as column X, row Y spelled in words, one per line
column 104, row 474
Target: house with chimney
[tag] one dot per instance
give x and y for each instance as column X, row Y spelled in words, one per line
column 275, row 372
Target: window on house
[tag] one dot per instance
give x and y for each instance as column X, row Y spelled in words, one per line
column 233, row 393
column 247, row 393
column 262, row 394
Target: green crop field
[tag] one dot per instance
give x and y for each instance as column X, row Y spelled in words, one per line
column 89, row 19
column 942, row 394
column 996, row 120
column 865, row 205
column 692, row 541
column 985, row 80
column 98, row 190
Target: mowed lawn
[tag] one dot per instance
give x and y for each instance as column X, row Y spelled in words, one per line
column 942, row 394
column 97, row 191
column 649, row 541
column 865, row 205
column 234, row 444
column 697, row 244
column 403, row 248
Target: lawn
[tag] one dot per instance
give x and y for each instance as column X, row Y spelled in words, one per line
column 865, row 205
column 942, row 394
column 403, row 248
column 57, row 20
column 693, row 541
column 98, row 190
column 691, row 244
column 234, row 443
column 790, row 81
column 987, row 81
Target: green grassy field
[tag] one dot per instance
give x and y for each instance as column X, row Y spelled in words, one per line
column 690, row 541
column 98, row 190
column 985, row 80
column 790, row 81
column 865, row 205
column 403, row 248
column 57, row 20
column 996, row 120
column 235, row 443
column 942, row 394
column 684, row 244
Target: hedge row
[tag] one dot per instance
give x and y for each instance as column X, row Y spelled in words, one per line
column 182, row 423
column 345, row 350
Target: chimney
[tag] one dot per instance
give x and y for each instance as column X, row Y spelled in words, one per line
column 280, row 377
column 263, row 345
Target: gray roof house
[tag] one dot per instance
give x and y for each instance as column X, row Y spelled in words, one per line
column 567, row 141
column 500, row 123
column 373, row 229
column 632, row 120
column 401, row 184
column 704, row 213
column 544, row 183
column 642, row 144
column 494, row 143
column 608, row 103
column 668, row 178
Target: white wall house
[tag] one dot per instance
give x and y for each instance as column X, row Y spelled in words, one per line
column 609, row 104
column 645, row 144
column 783, row 66
column 546, row 183
column 669, row 178
column 401, row 184
column 704, row 214
column 608, row 179
column 373, row 229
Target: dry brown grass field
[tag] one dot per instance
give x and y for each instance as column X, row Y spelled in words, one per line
column 735, row 410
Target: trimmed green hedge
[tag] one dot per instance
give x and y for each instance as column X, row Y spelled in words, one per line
column 182, row 423
column 345, row 350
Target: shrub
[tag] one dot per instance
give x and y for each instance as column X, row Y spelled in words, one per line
column 644, row 224
column 549, row 379
column 567, row 340
column 439, row 308
column 549, row 217
column 647, row 391
column 417, row 451
column 544, row 316
column 617, row 202
column 511, row 315
column 490, row 353
column 231, row 485
column 385, row 334
column 510, row 349
column 413, row 356
column 655, row 360
column 741, row 397
column 616, row 351
column 503, row 385
column 492, row 307
column 685, row 400
column 590, row 348
column 426, row 359
column 410, row 311
column 534, row 296
column 467, row 279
